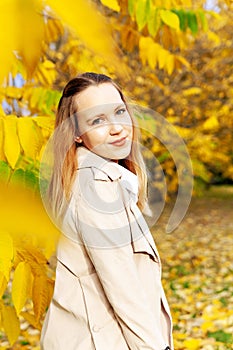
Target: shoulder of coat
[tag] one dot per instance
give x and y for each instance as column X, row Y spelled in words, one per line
column 101, row 168
column 106, row 172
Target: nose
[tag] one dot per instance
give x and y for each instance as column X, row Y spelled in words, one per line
column 115, row 128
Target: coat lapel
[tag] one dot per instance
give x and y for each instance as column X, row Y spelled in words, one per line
column 142, row 239
column 105, row 170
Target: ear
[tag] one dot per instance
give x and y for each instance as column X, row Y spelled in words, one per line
column 78, row 139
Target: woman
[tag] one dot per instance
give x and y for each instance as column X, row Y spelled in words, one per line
column 108, row 293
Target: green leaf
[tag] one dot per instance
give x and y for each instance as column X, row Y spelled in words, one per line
column 182, row 17
column 131, row 4
column 5, row 171
column 192, row 22
column 154, row 22
column 163, row 157
column 200, row 170
column 25, row 177
column 224, row 301
column 142, row 12
column 18, row 176
column 30, row 179
column 49, row 98
column 221, row 336
column 203, row 20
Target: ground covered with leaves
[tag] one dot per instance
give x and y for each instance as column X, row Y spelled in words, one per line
column 198, row 272
column 197, row 275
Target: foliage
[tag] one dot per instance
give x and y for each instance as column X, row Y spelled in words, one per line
column 197, row 100
column 159, row 30
column 175, row 57
column 26, row 244
column 197, row 272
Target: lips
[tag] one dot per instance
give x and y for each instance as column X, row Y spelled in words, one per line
column 119, row 142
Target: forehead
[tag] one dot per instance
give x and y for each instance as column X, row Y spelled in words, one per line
column 94, row 96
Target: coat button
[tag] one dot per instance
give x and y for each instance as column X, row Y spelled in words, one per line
column 96, row 328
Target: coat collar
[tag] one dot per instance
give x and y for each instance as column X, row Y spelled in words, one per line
column 105, row 170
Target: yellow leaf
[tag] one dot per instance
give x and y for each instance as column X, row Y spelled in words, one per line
column 33, row 256
column 45, row 75
column 10, row 323
column 40, row 294
column 214, row 37
column 31, row 320
column 53, row 29
column 192, row 91
column 182, row 60
column 22, row 20
column 200, row 170
column 28, row 137
column 2, row 112
column 6, row 254
column 170, row 64
column 162, row 57
column 206, row 326
column 181, row 336
column 48, row 64
column 7, row 25
column 154, row 21
column 11, row 142
column 152, row 55
column 21, row 285
column 192, row 344
column 88, row 23
column 3, row 284
column 183, row 132
column 46, row 123
column 50, row 247
column 112, row 4
column 144, row 42
column 30, row 25
column 170, row 18
column 30, row 220
column 155, row 80
column 34, row 96
column 25, row 136
column 211, row 123
column 13, row 92
column 50, row 289
column 2, row 154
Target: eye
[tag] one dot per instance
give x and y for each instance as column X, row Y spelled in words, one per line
column 121, row 111
column 97, row 121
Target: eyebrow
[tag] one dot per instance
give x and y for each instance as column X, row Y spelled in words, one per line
column 100, row 114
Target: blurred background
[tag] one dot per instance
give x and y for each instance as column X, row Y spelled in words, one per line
column 174, row 57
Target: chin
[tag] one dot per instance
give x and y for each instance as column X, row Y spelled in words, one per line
column 115, row 154
column 120, row 154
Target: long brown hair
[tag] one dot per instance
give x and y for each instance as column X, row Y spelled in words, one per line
column 65, row 160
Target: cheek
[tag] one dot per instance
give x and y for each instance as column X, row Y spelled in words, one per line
column 94, row 137
column 128, row 124
column 129, row 129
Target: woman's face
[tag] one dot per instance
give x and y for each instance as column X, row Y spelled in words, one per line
column 104, row 124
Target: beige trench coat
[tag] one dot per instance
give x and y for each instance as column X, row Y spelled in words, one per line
column 108, row 293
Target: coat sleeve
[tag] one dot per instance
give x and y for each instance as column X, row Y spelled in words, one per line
column 104, row 229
